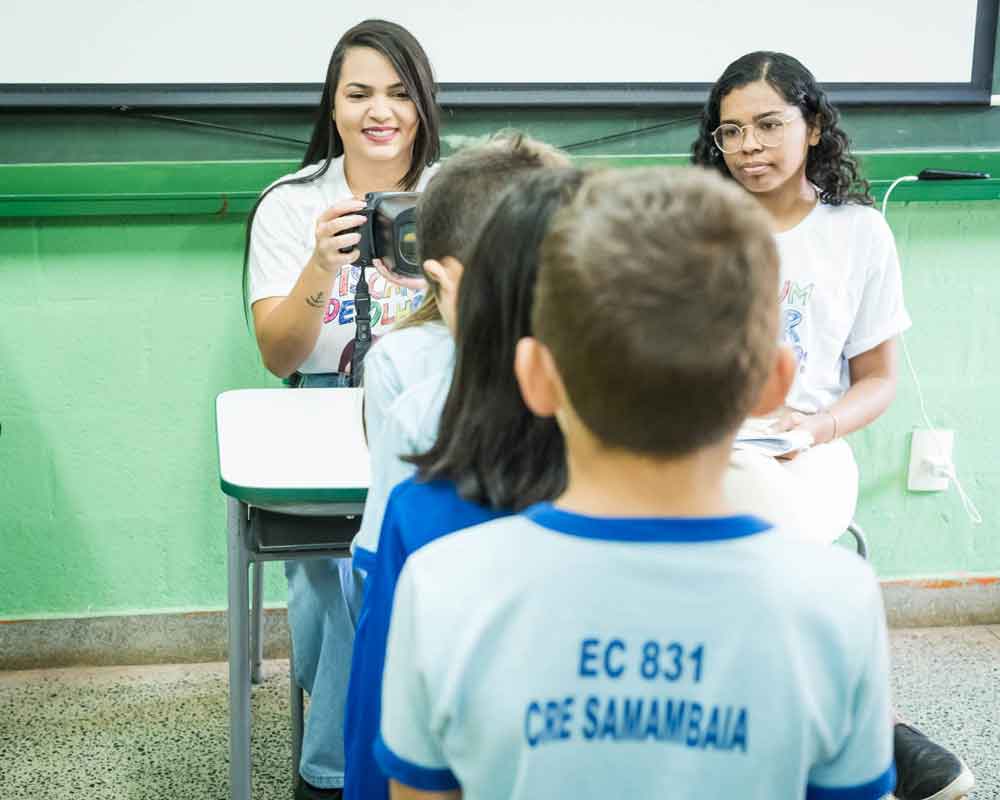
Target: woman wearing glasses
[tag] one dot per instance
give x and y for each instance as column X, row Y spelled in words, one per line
column 769, row 126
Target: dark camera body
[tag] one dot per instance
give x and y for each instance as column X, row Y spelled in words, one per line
column 390, row 232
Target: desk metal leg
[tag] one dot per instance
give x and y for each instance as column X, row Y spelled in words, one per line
column 239, row 651
column 256, row 615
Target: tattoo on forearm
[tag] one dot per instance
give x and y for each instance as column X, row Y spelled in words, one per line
column 316, row 301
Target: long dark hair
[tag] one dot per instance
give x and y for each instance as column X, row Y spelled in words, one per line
column 414, row 69
column 489, row 444
column 829, row 164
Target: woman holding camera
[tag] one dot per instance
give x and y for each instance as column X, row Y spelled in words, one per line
column 376, row 130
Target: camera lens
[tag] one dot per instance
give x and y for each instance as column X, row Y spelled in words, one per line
column 408, row 242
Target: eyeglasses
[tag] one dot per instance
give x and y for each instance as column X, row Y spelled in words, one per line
column 769, row 132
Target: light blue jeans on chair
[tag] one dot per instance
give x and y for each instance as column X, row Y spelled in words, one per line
column 324, row 599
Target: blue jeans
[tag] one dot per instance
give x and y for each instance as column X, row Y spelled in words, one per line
column 324, row 599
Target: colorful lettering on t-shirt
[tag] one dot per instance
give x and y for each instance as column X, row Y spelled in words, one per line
column 794, row 298
column 793, row 294
column 390, row 303
column 332, row 310
column 791, row 319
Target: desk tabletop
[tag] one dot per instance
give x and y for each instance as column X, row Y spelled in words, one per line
column 281, row 446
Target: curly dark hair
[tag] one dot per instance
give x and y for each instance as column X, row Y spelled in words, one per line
column 829, row 164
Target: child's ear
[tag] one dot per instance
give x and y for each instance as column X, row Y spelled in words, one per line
column 447, row 274
column 537, row 377
column 775, row 390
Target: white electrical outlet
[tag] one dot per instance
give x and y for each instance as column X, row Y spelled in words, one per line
column 930, row 460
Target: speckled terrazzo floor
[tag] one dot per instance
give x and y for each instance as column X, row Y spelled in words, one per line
column 946, row 681
column 136, row 733
column 161, row 732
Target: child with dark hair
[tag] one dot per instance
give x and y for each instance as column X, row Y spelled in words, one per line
column 420, row 350
column 491, row 455
column 770, row 127
column 635, row 638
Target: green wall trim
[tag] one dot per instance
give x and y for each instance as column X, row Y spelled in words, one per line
column 230, row 187
column 135, row 188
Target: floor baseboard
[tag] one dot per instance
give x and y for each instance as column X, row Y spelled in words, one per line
column 132, row 639
column 202, row 636
column 934, row 602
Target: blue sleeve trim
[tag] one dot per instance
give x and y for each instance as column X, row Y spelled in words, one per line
column 364, row 559
column 873, row 790
column 424, row 778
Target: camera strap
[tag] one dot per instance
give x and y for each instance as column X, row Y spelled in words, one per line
column 362, row 329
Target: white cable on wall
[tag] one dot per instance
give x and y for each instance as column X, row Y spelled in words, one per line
column 947, row 465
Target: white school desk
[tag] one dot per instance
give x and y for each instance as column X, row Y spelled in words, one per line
column 294, row 467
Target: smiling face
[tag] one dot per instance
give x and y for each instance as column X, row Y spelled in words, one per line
column 766, row 170
column 375, row 117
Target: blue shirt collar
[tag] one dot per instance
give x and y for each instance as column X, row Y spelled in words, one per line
column 646, row 529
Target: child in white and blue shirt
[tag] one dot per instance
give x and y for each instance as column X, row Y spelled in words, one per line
column 407, row 424
column 635, row 638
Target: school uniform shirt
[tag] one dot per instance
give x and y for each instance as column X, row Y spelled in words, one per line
column 841, row 295
column 399, row 360
column 411, row 426
column 417, row 513
column 283, row 238
column 551, row 654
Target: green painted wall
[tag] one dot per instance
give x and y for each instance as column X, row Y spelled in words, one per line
column 117, row 332
column 949, row 254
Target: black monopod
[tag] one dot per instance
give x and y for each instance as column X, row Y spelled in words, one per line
column 362, row 329
column 388, row 233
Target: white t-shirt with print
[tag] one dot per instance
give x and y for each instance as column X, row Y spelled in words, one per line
column 283, row 238
column 841, row 295
column 552, row 654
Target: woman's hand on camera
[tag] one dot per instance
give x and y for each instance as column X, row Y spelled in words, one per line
column 335, row 232
column 414, row 284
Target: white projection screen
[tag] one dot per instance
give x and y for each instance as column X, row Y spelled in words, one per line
column 100, row 53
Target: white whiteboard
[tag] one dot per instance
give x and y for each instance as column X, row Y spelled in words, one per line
column 108, row 43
